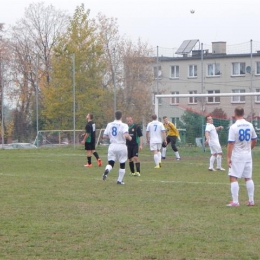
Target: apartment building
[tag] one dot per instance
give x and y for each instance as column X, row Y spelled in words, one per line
column 196, row 71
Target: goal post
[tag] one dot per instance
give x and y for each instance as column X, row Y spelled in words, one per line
column 198, row 96
column 188, row 112
column 52, row 138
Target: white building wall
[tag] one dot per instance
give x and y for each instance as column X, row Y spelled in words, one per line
column 225, row 83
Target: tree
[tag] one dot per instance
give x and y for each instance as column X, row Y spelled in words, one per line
column 127, row 73
column 138, row 78
column 32, row 40
column 194, row 124
column 82, row 42
column 5, row 55
column 112, row 56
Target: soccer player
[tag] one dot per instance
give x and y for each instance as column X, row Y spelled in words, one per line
column 242, row 139
column 172, row 136
column 89, row 141
column 155, row 135
column 212, row 140
column 134, row 146
column 117, row 132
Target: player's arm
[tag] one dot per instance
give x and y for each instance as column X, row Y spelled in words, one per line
column 140, row 135
column 141, row 143
column 147, row 137
column 253, row 143
column 207, row 136
column 128, row 136
column 219, row 127
column 230, row 147
column 164, row 137
column 88, row 131
column 106, row 133
column 174, row 129
column 171, row 125
column 84, row 138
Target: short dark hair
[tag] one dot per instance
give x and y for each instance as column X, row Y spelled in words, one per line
column 154, row 116
column 239, row 111
column 206, row 117
column 90, row 116
column 164, row 117
column 118, row 114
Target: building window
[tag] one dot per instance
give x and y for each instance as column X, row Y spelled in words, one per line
column 175, row 100
column 213, row 99
column 213, row 69
column 238, row 68
column 193, row 100
column 174, row 71
column 157, row 72
column 192, row 71
column 257, row 98
column 257, row 68
column 176, row 121
column 238, row 99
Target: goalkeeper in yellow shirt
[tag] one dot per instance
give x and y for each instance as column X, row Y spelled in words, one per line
column 172, row 136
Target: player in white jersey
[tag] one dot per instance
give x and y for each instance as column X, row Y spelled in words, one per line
column 117, row 133
column 242, row 139
column 156, row 135
column 213, row 141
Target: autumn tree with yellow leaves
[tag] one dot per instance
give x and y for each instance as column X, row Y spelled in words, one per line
column 78, row 54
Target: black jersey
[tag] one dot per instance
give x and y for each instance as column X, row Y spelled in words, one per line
column 91, row 131
column 136, row 132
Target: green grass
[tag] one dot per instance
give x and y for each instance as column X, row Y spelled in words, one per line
column 54, row 208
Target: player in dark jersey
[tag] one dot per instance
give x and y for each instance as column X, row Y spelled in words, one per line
column 90, row 141
column 134, row 146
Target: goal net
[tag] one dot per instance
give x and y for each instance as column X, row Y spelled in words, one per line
column 52, row 138
column 188, row 112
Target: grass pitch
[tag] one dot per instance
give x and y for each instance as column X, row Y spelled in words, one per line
column 54, row 208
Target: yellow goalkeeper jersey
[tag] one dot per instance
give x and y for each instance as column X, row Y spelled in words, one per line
column 171, row 130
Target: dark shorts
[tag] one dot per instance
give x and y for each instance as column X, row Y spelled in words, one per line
column 170, row 139
column 89, row 146
column 132, row 151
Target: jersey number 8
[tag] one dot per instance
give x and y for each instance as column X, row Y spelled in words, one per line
column 114, row 131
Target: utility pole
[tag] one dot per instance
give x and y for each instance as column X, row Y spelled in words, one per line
column 114, row 77
column 202, row 98
column 74, row 98
column 37, row 98
column 2, row 95
column 251, row 79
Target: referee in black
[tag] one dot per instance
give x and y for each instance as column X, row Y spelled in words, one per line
column 134, row 146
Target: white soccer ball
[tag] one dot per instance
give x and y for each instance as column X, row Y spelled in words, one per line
column 192, row 11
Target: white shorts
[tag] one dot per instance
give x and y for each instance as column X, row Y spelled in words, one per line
column 117, row 152
column 155, row 147
column 215, row 148
column 241, row 169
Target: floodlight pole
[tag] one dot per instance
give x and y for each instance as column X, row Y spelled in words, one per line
column 157, row 70
column 2, row 110
column 202, row 77
column 202, row 100
column 251, row 78
column 37, row 98
column 74, row 98
column 114, row 77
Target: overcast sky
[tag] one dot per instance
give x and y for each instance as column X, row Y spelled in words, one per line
column 164, row 23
